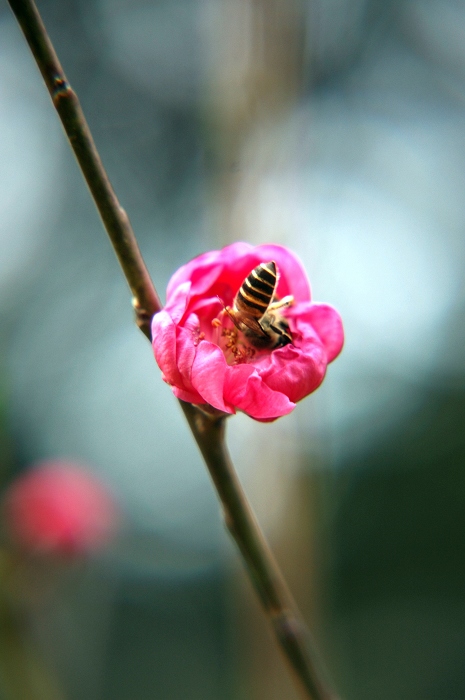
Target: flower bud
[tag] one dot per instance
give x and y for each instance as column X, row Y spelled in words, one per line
column 58, row 508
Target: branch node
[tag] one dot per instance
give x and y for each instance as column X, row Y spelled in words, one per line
column 143, row 317
column 61, row 88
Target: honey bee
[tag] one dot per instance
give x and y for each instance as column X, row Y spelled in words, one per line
column 256, row 312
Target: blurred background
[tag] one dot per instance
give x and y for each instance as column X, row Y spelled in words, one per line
column 334, row 127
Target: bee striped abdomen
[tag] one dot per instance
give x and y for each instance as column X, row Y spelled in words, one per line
column 257, row 314
column 257, row 291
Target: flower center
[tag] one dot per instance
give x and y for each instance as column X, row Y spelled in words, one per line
column 232, row 341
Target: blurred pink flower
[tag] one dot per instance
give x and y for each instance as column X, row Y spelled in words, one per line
column 206, row 360
column 59, row 508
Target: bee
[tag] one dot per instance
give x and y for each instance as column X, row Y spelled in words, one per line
column 256, row 311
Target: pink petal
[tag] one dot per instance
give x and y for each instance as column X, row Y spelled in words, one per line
column 212, row 271
column 208, row 374
column 245, row 389
column 185, row 353
column 177, row 303
column 187, row 396
column 206, row 309
column 328, row 325
column 295, row 372
column 164, row 347
column 225, row 274
column 240, row 259
column 206, row 263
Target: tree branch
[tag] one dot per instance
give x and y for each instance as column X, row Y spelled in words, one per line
column 208, row 430
column 264, row 573
column 115, row 220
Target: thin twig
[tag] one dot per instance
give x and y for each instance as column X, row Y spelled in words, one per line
column 208, row 431
column 145, row 298
column 266, row 577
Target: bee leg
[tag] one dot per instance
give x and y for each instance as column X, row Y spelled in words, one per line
column 281, row 303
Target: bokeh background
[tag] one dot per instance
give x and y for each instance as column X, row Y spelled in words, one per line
column 334, row 127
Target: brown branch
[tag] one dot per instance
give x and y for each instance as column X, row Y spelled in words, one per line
column 277, row 602
column 208, row 431
column 145, row 299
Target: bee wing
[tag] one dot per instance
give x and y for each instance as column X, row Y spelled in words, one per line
column 253, row 325
column 242, row 322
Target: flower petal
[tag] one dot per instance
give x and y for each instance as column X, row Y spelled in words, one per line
column 208, row 374
column 202, row 272
column 178, row 301
column 245, row 389
column 240, row 259
column 164, row 347
column 328, row 325
column 296, row 372
column 187, row 396
column 186, row 350
column 231, row 265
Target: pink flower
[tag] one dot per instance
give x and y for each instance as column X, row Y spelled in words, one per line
column 58, row 508
column 207, row 360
